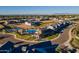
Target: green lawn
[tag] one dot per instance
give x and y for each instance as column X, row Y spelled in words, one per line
column 75, row 43
column 30, row 37
column 1, row 26
column 45, row 24
column 52, row 37
column 58, row 49
column 26, row 37
column 3, row 21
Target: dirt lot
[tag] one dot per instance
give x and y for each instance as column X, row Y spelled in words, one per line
column 23, row 26
column 44, row 24
column 6, row 38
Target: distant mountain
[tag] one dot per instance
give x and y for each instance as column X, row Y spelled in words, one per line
column 39, row 14
column 65, row 13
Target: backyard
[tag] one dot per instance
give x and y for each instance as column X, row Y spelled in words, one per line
column 52, row 37
column 19, row 36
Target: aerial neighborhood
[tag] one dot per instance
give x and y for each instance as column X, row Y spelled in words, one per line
column 38, row 33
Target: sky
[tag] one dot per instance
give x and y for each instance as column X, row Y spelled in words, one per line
column 25, row 10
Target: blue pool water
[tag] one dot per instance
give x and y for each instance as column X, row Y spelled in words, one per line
column 31, row 31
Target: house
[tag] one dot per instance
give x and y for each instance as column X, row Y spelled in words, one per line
column 28, row 23
column 10, row 30
column 22, row 20
column 20, row 49
column 17, row 28
column 50, row 27
column 51, row 30
column 36, row 23
column 44, row 47
column 12, row 21
column 7, row 47
column 47, row 32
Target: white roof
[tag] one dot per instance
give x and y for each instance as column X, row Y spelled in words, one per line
column 50, row 27
column 58, row 24
column 64, row 22
column 29, row 24
column 55, row 26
